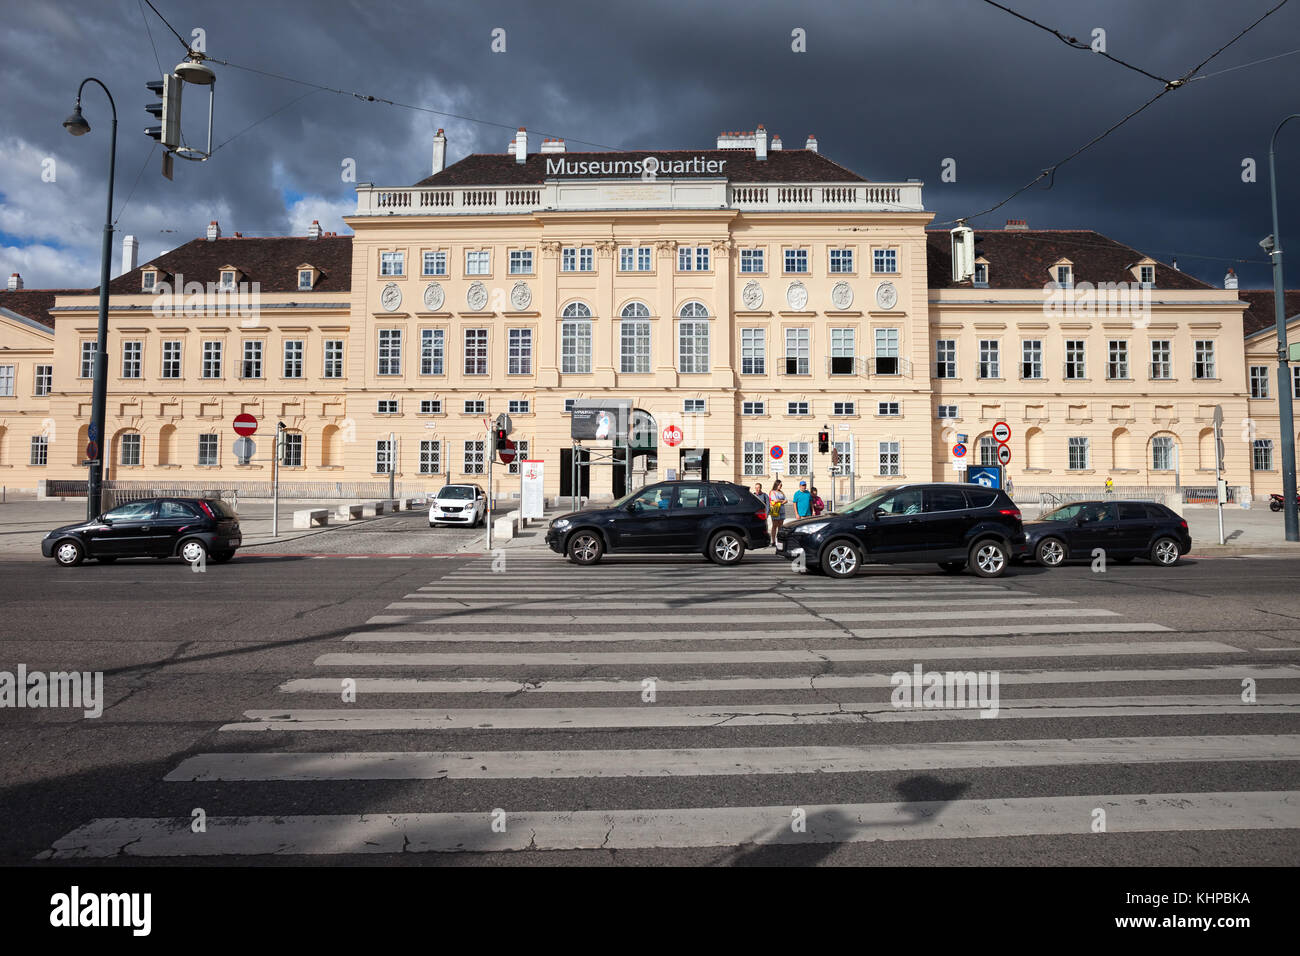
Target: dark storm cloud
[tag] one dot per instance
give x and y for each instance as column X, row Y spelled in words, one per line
column 890, row 89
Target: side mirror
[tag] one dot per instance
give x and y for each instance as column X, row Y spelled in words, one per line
column 1079, row 521
column 632, row 507
column 102, row 520
column 879, row 513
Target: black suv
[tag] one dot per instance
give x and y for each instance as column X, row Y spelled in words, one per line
column 1124, row 530
column 954, row 524
column 715, row 518
column 194, row 528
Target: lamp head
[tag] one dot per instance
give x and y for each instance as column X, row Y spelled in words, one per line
column 1266, row 243
column 193, row 70
column 76, row 123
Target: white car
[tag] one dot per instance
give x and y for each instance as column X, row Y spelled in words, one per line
column 458, row 504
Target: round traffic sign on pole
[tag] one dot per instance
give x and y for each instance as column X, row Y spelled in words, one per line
column 92, row 450
column 776, row 451
column 508, row 452
column 1001, row 433
column 672, row 436
column 959, row 451
column 245, row 424
column 1004, row 454
column 244, row 448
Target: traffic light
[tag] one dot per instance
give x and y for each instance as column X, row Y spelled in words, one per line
column 167, row 110
column 823, row 441
column 501, row 436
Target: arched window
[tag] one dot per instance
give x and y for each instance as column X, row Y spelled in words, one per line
column 693, row 338
column 576, row 310
column 1035, row 448
column 988, row 450
column 694, row 310
column 331, row 447
column 635, row 310
column 1120, row 448
column 575, row 339
column 167, row 445
column 634, row 339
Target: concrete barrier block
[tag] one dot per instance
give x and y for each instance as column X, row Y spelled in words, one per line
column 349, row 512
column 309, row 517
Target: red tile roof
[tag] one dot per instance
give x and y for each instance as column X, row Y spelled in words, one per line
column 1260, row 315
column 1022, row 259
column 781, row 166
column 272, row 262
column 35, row 304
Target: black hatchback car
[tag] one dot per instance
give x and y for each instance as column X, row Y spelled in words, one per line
column 715, row 518
column 1124, row 530
column 196, row 529
column 955, row 525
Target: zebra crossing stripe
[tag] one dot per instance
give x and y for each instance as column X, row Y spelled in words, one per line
column 754, row 605
column 702, row 615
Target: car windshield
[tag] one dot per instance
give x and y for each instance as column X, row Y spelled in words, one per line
column 457, row 492
column 629, row 496
column 868, row 501
column 1063, row 513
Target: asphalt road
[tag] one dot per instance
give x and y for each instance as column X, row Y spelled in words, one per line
column 205, row 672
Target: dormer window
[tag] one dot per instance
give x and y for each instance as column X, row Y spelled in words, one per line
column 981, row 278
column 227, row 278
column 148, row 280
column 304, row 280
column 1147, row 276
column 1063, row 273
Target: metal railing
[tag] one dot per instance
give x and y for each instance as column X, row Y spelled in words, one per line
column 314, row 490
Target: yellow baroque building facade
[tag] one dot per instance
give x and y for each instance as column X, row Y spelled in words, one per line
column 747, row 296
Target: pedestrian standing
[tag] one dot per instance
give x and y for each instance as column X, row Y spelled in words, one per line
column 818, row 506
column 1110, row 485
column 1011, row 488
column 802, row 501
column 776, row 507
column 758, row 493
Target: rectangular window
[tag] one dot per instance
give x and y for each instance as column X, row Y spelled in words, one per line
column 569, row 259
column 1262, row 459
column 990, row 364
column 147, row 281
column 751, row 260
column 6, row 381
column 692, row 346
column 796, row 260
column 692, row 258
column 1031, row 358
column 948, row 411
column 578, row 259
column 753, row 351
column 1162, row 365
column 887, row 352
column 521, row 262
column 130, row 445
column 131, row 359
column 208, row 445
column 755, row 455
column 1075, row 363
column 519, row 357
column 798, row 350
column 981, row 278
column 475, row 457
column 435, row 263
column 433, row 352
column 252, row 365
column 478, row 262
column 887, row 408
column 694, row 406
column 430, row 457
column 383, row 456
column 1259, row 381
column 304, row 280
column 228, row 280
column 45, row 379
column 634, row 346
column 431, row 406
column 841, row 260
column 796, row 408
column 844, row 408
column 890, row 458
column 88, row 359
column 800, row 458
column 293, row 353
column 884, row 260
column 392, row 263
column 1295, row 381
column 40, row 450
column 387, row 406
column 1147, row 275
column 1162, row 453
column 753, row 408
column 643, row 259
column 1078, row 454
column 1204, row 365
column 1064, row 277
column 843, row 351
column 575, row 347
column 988, row 450
column 945, row 358
column 474, row 406
column 1117, row 358
column 212, row 359
column 627, row 259
column 390, row 351
column 292, row 450
column 519, row 406
column 568, row 405
column 846, row 457
column 171, row 359
column 521, row 453
column 333, row 358
column 476, row 351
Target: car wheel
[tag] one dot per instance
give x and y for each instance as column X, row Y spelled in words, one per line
column 221, row 557
column 726, row 548
column 430, row 524
column 585, row 547
column 952, row 567
column 988, row 558
column 68, row 554
column 1165, row 552
column 841, row 559
column 193, row 551
column 1050, row 552
column 106, row 560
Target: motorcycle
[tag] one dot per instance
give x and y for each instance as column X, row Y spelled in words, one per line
column 1275, row 502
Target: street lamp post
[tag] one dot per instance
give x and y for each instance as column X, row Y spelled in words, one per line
column 76, row 125
column 1286, row 419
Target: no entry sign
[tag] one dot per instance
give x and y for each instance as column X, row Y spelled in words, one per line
column 508, row 452
column 1002, row 433
column 672, row 436
column 245, row 424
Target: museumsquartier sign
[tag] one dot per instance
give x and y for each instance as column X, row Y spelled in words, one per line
column 649, row 166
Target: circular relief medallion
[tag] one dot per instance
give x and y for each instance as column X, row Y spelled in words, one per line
column 752, row 295
column 842, row 295
column 886, row 295
column 391, row 297
column 434, row 297
column 797, row 295
column 476, row 298
column 521, row 297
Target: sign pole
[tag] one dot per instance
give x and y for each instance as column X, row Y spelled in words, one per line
column 392, row 464
column 487, row 509
column 1218, row 465
column 275, row 483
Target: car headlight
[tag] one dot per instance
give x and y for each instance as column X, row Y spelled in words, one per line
column 560, row 523
column 811, row 528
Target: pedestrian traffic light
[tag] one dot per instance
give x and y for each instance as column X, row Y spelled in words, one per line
column 501, row 437
column 167, row 110
column 823, row 441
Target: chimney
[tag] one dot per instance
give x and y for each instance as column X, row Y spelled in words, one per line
column 1229, row 281
column 521, row 146
column 736, row 139
column 1175, row 264
column 15, row 282
column 214, row 231
column 776, row 143
column 811, row 143
column 439, row 152
column 1017, row 224
column 760, row 142
column 130, row 253
column 239, row 235
column 552, row 146
column 313, row 231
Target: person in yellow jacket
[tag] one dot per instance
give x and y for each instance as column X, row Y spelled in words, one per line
column 776, row 507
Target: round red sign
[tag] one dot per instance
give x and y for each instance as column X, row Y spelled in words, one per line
column 508, row 453
column 245, row 424
column 1002, row 433
column 673, row 436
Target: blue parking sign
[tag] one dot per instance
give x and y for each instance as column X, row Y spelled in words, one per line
column 989, row 476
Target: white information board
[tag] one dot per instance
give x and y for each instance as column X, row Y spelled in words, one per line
column 531, row 474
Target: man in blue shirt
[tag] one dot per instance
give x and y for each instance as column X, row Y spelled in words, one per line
column 803, row 500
